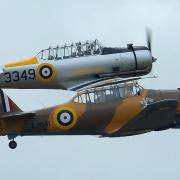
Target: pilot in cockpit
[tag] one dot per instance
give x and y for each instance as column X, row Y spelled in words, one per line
column 88, row 48
column 96, row 47
column 79, row 49
column 50, row 56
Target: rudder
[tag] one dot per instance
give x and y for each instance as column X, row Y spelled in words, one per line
column 7, row 105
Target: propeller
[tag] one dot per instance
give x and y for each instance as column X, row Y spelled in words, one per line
column 149, row 41
column 149, row 38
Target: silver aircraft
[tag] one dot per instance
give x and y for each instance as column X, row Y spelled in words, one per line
column 77, row 65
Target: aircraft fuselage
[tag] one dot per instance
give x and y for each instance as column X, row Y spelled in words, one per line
column 67, row 73
column 134, row 114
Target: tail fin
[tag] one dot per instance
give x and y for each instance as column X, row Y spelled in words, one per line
column 8, row 105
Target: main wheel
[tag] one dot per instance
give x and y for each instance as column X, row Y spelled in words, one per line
column 12, row 144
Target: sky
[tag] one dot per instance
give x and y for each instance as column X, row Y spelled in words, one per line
column 26, row 27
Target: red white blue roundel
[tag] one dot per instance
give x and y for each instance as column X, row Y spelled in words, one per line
column 65, row 117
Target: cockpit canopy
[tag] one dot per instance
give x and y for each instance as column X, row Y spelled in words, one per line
column 73, row 50
column 108, row 93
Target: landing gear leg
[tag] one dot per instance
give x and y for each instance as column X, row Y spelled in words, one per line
column 12, row 144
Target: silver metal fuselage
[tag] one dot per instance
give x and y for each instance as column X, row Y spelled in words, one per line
column 72, row 72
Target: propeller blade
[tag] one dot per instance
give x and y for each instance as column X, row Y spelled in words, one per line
column 149, row 38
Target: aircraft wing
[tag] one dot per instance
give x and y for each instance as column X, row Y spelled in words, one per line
column 104, row 82
column 20, row 115
column 101, row 82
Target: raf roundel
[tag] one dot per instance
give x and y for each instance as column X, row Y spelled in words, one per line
column 46, row 72
column 65, row 118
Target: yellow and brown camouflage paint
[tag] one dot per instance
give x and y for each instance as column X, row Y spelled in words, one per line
column 118, row 117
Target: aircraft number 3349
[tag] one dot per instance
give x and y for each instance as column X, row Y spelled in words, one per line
column 17, row 76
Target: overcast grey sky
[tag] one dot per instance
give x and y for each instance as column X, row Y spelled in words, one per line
column 28, row 26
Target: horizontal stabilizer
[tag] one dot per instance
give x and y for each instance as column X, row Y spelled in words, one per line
column 14, row 116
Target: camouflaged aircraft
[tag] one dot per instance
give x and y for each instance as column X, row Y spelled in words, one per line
column 76, row 65
column 114, row 110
